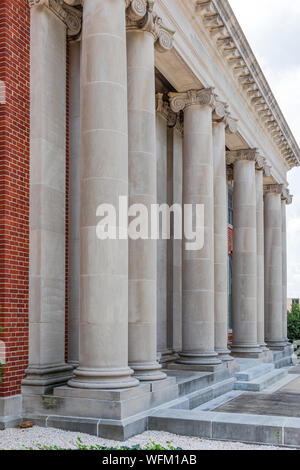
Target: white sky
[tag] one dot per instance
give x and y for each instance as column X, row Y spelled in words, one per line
column 272, row 28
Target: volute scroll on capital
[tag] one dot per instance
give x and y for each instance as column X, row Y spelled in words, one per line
column 69, row 15
column 286, row 196
column 262, row 165
column 163, row 108
column 203, row 97
column 140, row 16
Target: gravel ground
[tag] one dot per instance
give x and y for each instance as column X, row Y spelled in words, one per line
column 20, row 439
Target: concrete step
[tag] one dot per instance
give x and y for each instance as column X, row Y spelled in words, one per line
column 260, row 383
column 283, row 362
column 189, row 381
column 255, row 429
column 203, row 395
column 254, row 372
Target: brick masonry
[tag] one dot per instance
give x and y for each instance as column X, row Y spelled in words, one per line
column 14, row 189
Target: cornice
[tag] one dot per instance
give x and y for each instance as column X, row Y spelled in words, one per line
column 69, row 15
column 227, row 35
column 140, row 15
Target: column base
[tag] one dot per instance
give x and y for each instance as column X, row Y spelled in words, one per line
column 103, row 379
column 277, row 345
column 224, row 355
column 199, row 361
column 148, row 371
column 112, row 414
column 246, row 350
column 42, row 379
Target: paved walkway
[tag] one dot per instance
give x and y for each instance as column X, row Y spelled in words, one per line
column 283, row 402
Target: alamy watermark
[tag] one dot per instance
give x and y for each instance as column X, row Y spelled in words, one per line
column 140, row 222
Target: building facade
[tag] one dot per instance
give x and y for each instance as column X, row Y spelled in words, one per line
column 162, row 103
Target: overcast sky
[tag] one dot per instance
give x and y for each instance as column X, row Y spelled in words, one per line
column 272, row 28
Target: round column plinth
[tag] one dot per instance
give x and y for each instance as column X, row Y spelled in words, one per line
column 201, row 359
column 103, row 378
column 148, row 372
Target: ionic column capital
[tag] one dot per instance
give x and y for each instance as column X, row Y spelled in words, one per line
column 140, row 16
column 70, row 16
column 231, row 124
column 234, row 156
column 273, row 188
column 203, row 97
column 164, row 109
column 286, row 196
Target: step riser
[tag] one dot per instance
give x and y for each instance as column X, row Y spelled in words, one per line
column 255, row 373
column 258, row 387
column 202, row 382
column 284, row 362
column 211, row 394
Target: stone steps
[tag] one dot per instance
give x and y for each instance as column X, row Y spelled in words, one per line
column 283, row 358
column 253, row 372
column 255, row 429
column 260, row 383
column 189, row 382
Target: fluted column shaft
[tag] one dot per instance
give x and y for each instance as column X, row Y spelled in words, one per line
column 142, row 190
column 244, row 315
column 260, row 259
column 273, row 267
column 104, row 177
column 284, row 271
column 220, row 242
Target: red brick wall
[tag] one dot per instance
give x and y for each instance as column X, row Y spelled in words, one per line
column 14, row 189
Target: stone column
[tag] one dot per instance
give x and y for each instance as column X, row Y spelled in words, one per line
column 221, row 236
column 74, row 205
column 47, row 366
column 104, row 178
column 244, row 260
column 144, row 30
column 286, row 199
column 166, row 121
column 284, row 270
column 260, row 259
column 198, row 266
column 273, row 267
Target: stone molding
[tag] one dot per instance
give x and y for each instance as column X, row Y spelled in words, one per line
column 224, row 30
column 70, row 16
column 140, row 16
column 164, row 109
